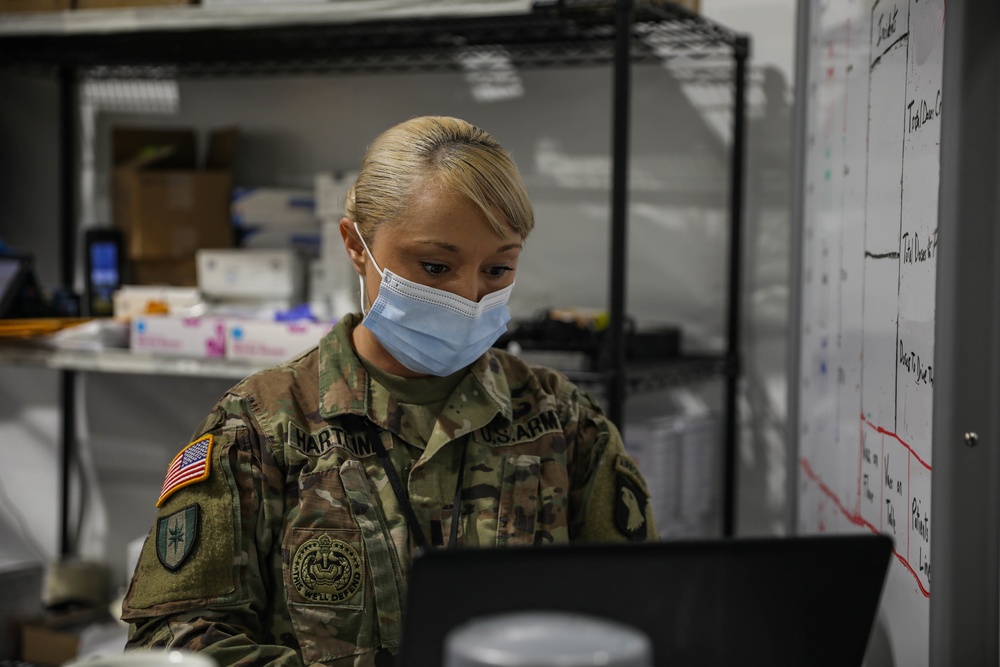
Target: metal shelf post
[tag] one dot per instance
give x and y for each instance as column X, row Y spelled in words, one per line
column 741, row 52
column 619, row 209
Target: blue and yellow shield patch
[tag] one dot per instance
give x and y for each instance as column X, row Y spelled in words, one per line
column 176, row 535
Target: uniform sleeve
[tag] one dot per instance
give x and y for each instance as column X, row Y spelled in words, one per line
column 205, row 570
column 609, row 500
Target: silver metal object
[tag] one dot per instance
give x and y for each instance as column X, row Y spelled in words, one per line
column 537, row 639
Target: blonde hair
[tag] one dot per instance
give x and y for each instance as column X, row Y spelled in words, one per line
column 448, row 151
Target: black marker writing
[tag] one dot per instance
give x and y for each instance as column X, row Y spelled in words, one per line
column 914, row 365
column 919, row 114
column 921, row 521
column 886, row 26
column 915, row 250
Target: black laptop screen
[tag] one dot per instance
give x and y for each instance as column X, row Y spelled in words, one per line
column 780, row 601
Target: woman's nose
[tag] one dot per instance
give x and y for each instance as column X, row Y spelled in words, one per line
column 473, row 289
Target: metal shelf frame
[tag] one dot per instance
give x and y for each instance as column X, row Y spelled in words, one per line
column 195, row 42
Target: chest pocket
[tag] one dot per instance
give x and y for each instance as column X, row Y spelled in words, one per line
column 340, row 573
column 533, row 502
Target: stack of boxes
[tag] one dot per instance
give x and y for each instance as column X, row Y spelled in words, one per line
column 332, row 277
column 30, row 6
column 166, row 204
column 266, row 265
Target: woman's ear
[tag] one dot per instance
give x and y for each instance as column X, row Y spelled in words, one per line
column 355, row 250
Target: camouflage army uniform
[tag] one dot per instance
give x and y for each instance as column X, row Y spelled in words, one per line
column 290, row 547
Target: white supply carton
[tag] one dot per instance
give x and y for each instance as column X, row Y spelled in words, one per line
column 273, row 207
column 168, row 335
column 251, row 274
column 138, row 300
column 307, row 241
column 331, row 191
column 333, row 290
column 271, row 342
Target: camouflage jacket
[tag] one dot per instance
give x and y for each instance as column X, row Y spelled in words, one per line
column 279, row 540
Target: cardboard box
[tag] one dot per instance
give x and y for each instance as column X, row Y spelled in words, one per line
column 164, row 204
column 171, row 272
column 55, row 639
column 35, row 5
column 271, row 342
column 43, row 644
column 167, row 335
column 693, row 5
column 115, row 4
column 21, row 583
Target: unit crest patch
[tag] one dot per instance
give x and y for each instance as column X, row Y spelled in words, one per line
column 176, row 535
column 326, row 570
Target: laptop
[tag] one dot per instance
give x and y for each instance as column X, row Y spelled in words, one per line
column 763, row 601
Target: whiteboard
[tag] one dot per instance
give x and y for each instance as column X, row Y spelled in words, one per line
column 866, row 328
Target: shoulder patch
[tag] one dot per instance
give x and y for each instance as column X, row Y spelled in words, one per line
column 630, row 508
column 626, row 466
column 176, row 535
column 189, row 467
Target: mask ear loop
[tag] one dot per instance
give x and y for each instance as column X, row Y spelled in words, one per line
column 361, row 278
column 363, row 294
column 367, row 250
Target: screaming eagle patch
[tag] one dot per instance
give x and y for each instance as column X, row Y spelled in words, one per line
column 176, row 535
column 631, row 498
column 326, row 570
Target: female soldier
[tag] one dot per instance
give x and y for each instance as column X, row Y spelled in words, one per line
column 285, row 529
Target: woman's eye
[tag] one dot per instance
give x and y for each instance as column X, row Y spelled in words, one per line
column 497, row 271
column 434, row 269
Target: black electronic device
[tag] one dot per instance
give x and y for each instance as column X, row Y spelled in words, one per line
column 761, row 601
column 14, row 271
column 103, row 262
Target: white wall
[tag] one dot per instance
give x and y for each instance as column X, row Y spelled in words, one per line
column 560, row 135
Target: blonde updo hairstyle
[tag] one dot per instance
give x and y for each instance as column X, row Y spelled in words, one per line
column 437, row 150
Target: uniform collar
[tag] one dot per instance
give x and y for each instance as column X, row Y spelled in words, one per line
column 345, row 386
column 343, row 380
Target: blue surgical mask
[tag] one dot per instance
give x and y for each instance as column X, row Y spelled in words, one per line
column 430, row 330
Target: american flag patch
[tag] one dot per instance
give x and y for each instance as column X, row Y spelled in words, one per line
column 188, row 467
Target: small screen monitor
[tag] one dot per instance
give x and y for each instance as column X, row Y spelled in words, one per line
column 104, row 270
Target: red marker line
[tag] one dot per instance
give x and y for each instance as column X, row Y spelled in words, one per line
column 909, row 567
column 857, row 519
column 900, row 440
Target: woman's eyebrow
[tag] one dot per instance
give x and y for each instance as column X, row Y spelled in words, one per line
column 451, row 247
column 441, row 244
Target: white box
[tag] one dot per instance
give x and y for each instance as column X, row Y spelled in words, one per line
column 273, row 206
column 271, row 342
column 251, row 274
column 306, row 241
column 167, row 335
column 137, row 300
column 331, row 191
